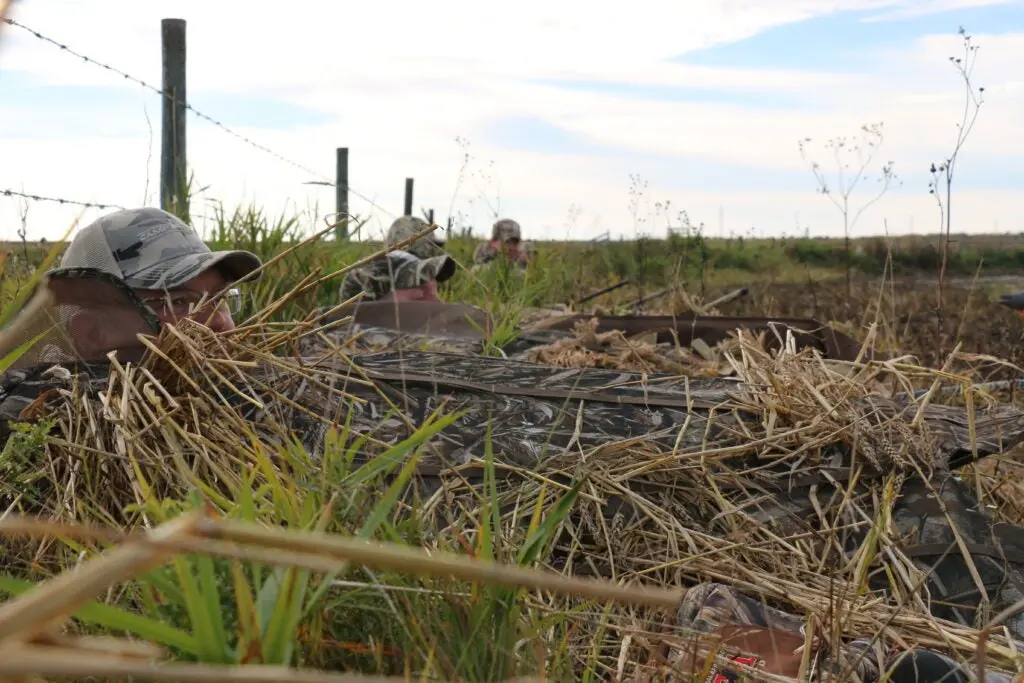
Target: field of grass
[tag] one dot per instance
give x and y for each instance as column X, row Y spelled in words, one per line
column 153, row 534
column 236, row 609
column 801, row 277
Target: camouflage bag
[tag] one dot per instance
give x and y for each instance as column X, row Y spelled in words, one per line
column 737, row 634
column 731, row 630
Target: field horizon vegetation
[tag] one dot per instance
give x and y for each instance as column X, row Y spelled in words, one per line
column 203, row 606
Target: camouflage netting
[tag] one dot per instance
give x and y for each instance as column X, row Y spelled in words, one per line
column 802, row 482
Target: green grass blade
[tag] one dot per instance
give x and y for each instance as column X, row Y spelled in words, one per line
column 117, row 619
column 211, row 648
column 545, row 532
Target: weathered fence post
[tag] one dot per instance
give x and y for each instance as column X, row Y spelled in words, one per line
column 173, row 157
column 408, row 196
column 341, row 195
column 430, row 216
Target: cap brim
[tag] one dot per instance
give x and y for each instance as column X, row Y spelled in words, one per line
column 444, row 265
column 236, row 266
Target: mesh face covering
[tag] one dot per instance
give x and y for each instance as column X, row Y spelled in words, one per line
column 89, row 313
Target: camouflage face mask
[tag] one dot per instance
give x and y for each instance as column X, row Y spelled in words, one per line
column 90, row 314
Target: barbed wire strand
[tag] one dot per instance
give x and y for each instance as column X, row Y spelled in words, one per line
column 57, row 200
column 159, row 91
column 188, row 107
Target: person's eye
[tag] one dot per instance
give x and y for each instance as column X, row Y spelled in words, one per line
column 156, row 304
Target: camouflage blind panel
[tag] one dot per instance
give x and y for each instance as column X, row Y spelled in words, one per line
column 518, row 378
column 444, row 326
column 543, row 419
column 355, row 338
column 416, row 325
column 537, row 414
column 420, row 317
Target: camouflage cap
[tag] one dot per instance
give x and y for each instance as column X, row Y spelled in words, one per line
column 395, row 270
column 506, row 230
column 407, row 226
column 151, row 249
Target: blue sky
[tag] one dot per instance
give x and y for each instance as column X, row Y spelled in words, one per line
column 91, row 104
column 561, row 124
column 850, row 41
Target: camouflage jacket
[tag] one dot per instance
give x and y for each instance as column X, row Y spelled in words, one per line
column 543, row 418
column 486, row 253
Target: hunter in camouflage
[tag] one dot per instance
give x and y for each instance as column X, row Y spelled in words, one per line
column 505, row 243
column 150, row 262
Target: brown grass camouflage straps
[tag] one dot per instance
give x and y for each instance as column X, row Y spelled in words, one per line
column 682, row 432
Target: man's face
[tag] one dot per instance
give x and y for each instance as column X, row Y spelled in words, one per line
column 512, row 250
column 181, row 302
column 108, row 323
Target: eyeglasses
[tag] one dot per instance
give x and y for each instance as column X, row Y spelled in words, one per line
column 184, row 303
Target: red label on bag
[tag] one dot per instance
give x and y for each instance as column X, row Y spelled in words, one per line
column 769, row 650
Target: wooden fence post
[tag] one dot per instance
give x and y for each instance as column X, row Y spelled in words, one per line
column 341, row 195
column 173, row 156
column 408, row 196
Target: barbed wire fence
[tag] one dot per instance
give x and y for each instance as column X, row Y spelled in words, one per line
column 173, row 148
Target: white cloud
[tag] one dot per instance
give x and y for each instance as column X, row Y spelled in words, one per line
column 911, row 9
column 322, row 38
column 402, row 80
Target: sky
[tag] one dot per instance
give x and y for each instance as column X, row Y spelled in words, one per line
column 576, row 121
